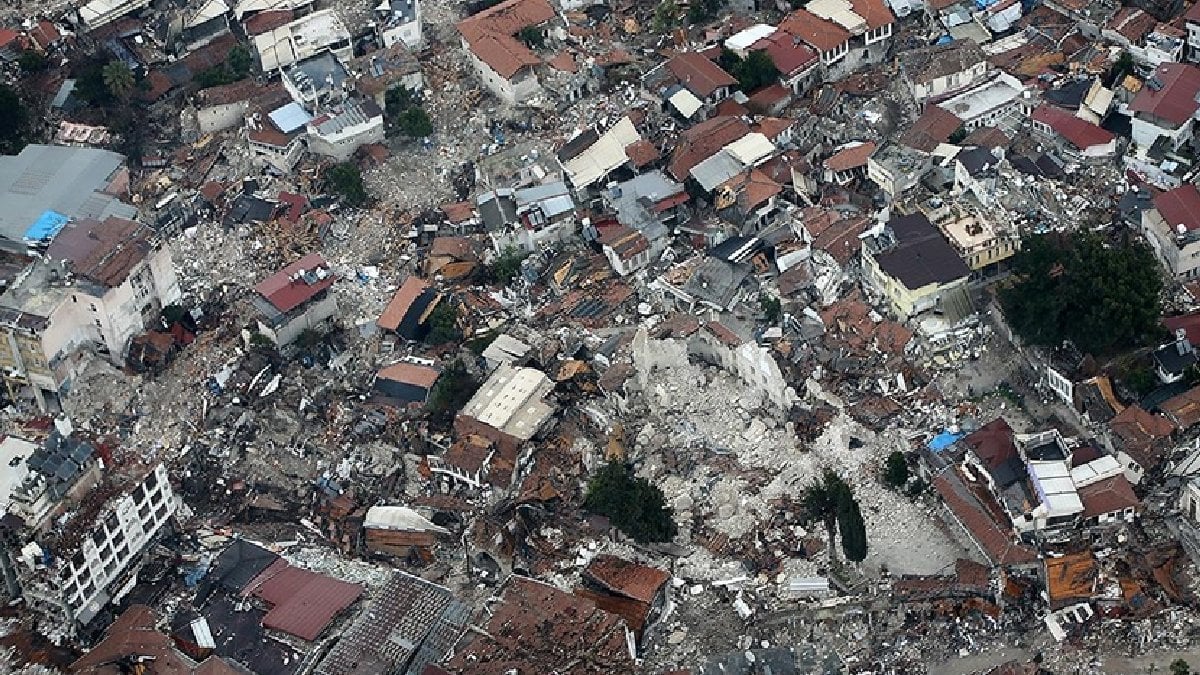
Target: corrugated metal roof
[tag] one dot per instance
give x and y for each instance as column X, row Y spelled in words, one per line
column 290, row 117
column 67, row 180
column 303, row 603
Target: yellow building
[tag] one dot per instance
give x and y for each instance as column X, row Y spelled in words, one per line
column 913, row 266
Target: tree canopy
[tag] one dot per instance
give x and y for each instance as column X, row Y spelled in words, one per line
column 119, row 80
column 753, row 72
column 895, row 470
column 14, row 121
column 702, row 11
column 443, row 324
column 406, row 114
column 1076, row 287
column 631, row 503
column 346, row 180
column 831, row 502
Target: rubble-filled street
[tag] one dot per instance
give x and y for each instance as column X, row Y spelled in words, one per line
column 493, row 337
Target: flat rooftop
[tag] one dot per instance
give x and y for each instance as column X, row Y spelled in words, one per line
column 993, row 94
column 75, row 182
column 512, row 401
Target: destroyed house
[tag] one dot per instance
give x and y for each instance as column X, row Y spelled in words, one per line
column 301, row 603
column 304, row 37
column 62, row 469
column 976, row 513
column 942, row 70
column 635, row 592
column 505, row 65
column 398, row 22
column 295, row 299
column 134, row 640
column 70, row 574
column 407, row 314
column 399, row 531
column 234, row 569
column 534, row 627
column 509, row 409
column 409, row 625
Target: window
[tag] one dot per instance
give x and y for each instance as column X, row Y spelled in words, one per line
column 97, row 536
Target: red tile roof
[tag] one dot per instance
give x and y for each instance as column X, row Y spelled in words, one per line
column 1078, row 132
column 722, row 333
column 303, row 603
column 1180, row 206
column 134, row 634
column 1193, row 13
column 393, row 314
column 1131, row 23
column 768, row 97
column 992, row 443
column 266, row 21
column 641, row 152
column 851, row 157
column 7, row 37
column 627, row 578
column 45, row 34
column 1183, row 408
column 286, row 293
column 410, row 373
column 1175, row 100
column 813, row 30
column 1141, row 434
column 700, row 75
column 490, row 34
column 703, row 141
column 932, row 128
column 789, row 55
column 1107, row 496
column 875, row 12
column 1188, row 322
column 997, row 544
column 841, row 239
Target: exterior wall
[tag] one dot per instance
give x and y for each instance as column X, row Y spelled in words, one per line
column 313, row 316
column 906, row 302
column 215, row 118
column 522, row 87
column 1192, row 48
column 800, row 81
column 1182, row 263
column 941, row 86
column 1129, row 466
column 627, row 267
column 1060, row 385
column 343, row 145
column 1146, row 131
column 280, row 159
column 408, row 33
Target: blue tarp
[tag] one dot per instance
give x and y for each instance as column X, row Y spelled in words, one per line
column 944, row 40
column 47, row 226
column 944, row 440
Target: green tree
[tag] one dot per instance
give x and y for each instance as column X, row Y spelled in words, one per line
column 755, row 71
column 957, row 136
column 454, row 387
column 414, row 123
column 1104, row 298
column 400, row 98
column 240, row 62
column 666, row 16
column 346, row 180
column 14, row 121
column 703, row 11
column 32, row 62
column 1180, row 667
column 631, row 503
column 820, row 502
column 119, row 80
column 1120, row 68
column 532, row 37
column 895, row 470
column 507, row 265
column 771, row 308
column 443, row 324
column 852, row 528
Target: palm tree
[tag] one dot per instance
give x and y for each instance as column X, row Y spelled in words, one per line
column 118, row 78
column 821, row 501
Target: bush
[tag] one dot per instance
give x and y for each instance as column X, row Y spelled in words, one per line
column 771, row 308
column 404, row 113
column 453, row 389
column 631, row 503
column 1180, row 667
column 14, row 121
column 895, row 470
column 346, row 180
column 443, row 324
column 506, row 267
